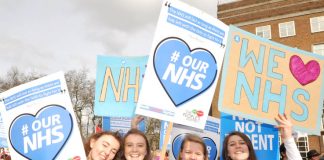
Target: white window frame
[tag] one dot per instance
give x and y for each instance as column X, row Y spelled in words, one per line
column 286, row 26
column 319, row 50
column 302, row 144
column 263, row 29
column 305, row 141
column 317, row 24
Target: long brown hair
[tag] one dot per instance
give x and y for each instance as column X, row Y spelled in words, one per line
column 137, row 132
column 96, row 136
column 196, row 139
column 246, row 139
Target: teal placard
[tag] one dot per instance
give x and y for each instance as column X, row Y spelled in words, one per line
column 118, row 83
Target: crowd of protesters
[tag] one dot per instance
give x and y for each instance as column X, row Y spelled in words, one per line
column 107, row 145
column 236, row 145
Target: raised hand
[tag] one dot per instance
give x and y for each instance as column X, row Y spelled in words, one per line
column 284, row 126
column 136, row 120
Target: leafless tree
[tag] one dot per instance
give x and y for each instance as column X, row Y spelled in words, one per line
column 152, row 132
column 82, row 92
column 15, row 77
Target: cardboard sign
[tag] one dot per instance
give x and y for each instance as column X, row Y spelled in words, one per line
column 264, row 137
column 118, row 84
column 40, row 121
column 183, row 67
column 120, row 124
column 210, row 136
column 261, row 78
column 3, row 139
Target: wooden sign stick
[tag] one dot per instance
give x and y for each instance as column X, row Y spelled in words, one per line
column 166, row 140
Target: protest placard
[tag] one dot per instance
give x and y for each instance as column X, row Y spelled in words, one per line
column 3, row 139
column 120, row 124
column 261, row 78
column 40, row 121
column 183, row 67
column 210, row 135
column 264, row 137
column 118, row 83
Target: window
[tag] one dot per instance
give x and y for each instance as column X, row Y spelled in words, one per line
column 301, row 142
column 264, row 31
column 302, row 145
column 317, row 24
column 318, row 48
column 287, row 29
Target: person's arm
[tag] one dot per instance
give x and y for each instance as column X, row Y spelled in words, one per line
column 136, row 120
column 285, row 128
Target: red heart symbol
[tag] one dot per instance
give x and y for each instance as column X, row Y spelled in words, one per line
column 200, row 113
column 304, row 74
column 76, row 158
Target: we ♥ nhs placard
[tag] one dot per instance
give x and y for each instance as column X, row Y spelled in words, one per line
column 118, row 83
column 40, row 121
column 264, row 137
column 210, row 135
column 183, row 67
column 261, row 78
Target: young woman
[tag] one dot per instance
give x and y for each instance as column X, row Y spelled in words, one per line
column 193, row 148
column 103, row 145
column 237, row 146
column 136, row 146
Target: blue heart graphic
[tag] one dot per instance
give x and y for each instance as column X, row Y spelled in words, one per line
column 211, row 148
column 176, row 144
column 183, row 73
column 42, row 136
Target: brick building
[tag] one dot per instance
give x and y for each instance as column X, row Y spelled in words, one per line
column 296, row 23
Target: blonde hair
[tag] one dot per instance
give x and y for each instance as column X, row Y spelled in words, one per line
column 196, row 139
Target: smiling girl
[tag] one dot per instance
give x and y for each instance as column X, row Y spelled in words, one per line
column 103, row 146
column 136, row 146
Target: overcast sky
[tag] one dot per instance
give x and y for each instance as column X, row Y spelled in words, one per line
column 46, row 36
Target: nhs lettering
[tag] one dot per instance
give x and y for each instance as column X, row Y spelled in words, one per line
column 52, row 135
column 262, row 78
column 108, row 79
column 118, row 84
column 181, row 75
column 271, row 93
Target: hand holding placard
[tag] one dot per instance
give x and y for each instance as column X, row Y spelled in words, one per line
column 285, row 126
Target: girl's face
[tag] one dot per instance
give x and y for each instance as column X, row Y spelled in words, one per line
column 104, row 148
column 237, row 148
column 192, row 151
column 135, row 147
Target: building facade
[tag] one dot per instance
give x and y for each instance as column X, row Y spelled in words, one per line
column 295, row 23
